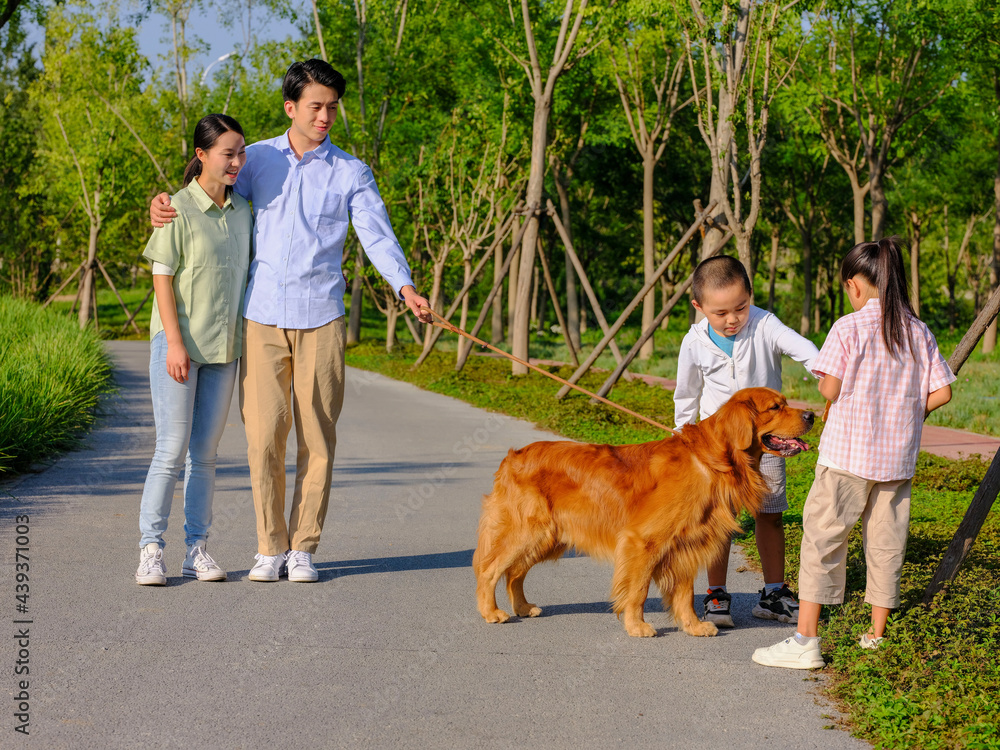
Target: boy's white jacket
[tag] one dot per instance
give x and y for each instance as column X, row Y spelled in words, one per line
column 707, row 377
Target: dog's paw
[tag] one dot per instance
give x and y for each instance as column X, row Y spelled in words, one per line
column 640, row 629
column 497, row 615
column 528, row 610
column 706, row 629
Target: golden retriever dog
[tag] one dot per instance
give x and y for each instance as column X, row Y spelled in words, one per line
column 659, row 511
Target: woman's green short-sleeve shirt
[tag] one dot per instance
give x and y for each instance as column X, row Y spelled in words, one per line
column 209, row 249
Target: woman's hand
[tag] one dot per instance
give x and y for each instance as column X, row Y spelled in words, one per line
column 178, row 362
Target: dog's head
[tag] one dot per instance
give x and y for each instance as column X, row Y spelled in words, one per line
column 762, row 417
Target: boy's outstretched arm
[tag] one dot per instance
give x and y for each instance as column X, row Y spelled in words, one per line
column 937, row 399
column 687, row 392
column 793, row 345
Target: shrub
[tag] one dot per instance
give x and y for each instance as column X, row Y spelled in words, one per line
column 52, row 376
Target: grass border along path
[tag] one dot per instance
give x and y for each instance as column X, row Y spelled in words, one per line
column 52, row 376
column 935, row 684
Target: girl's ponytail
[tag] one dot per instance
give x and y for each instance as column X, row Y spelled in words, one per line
column 192, row 170
column 881, row 265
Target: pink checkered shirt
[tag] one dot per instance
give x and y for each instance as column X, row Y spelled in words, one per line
column 873, row 430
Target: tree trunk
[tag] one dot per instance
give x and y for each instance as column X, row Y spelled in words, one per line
column 648, row 250
column 87, row 281
column 773, row 266
column 512, row 282
column 717, row 188
column 743, row 252
column 807, row 291
column 818, row 296
column 858, row 193
column 519, row 333
column 390, row 326
column 466, row 275
column 880, row 204
column 533, row 318
column 496, row 321
column 572, row 294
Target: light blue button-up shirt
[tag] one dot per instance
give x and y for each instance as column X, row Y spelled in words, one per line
column 301, row 210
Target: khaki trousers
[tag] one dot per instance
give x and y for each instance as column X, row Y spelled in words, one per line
column 836, row 501
column 288, row 374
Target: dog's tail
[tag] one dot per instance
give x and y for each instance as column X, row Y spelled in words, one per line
column 494, row 505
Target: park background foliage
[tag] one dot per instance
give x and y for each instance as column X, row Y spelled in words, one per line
column 810, row 124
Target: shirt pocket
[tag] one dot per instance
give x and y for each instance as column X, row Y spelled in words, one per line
column 242, row 251
column 328, row 212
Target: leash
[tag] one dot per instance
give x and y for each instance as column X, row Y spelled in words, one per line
column 448, row 326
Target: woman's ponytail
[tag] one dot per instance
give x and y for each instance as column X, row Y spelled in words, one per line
column 192, row 170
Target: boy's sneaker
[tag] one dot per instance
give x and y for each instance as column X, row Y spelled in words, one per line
column 790, row 654
column 780, row 605
column 300, row 567
column 717, row 608
column 199, row 564
column 152, row 570
column 267, row 568
column 870, row 642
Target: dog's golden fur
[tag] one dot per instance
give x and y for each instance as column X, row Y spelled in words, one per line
column 659, row 511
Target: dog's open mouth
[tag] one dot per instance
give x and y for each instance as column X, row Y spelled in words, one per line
column 784, row 446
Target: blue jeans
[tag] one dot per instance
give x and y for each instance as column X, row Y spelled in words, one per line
column 190, row 418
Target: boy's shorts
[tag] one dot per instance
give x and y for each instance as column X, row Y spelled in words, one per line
column 773, row 469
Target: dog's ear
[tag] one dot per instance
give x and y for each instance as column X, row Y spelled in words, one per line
column 738, row 421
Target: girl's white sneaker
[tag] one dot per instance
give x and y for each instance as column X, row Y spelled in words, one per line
column 790, row 654
column 152, row 570
column 199, row 564
column 869, row 642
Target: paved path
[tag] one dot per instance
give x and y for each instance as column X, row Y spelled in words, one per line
column 387, row 650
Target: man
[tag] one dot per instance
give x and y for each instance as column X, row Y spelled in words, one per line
column 304, row 191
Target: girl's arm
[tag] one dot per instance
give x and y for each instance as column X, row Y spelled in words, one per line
column 178, row 362
column 937, row 399
column 829, row 387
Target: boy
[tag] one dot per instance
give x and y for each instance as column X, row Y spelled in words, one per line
column 739, row 346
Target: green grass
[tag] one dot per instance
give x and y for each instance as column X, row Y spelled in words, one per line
column 935, row 684
column 52, row 376
column 110, row 316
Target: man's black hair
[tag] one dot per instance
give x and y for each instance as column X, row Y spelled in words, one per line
column 301, row 74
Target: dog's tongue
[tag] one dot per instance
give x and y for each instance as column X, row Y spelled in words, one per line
column 799, row 443
column 789, row 446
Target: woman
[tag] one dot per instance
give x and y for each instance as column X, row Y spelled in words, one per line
column 200, row 265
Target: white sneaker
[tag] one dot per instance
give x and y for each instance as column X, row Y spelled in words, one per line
column 791, row 655
column 199, row 564
column 870, row 642
column 152, row 570
column 267, row 568
column 300, row 567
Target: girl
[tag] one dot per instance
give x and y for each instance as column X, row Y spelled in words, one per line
column 200, row 265
column 881, row 369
